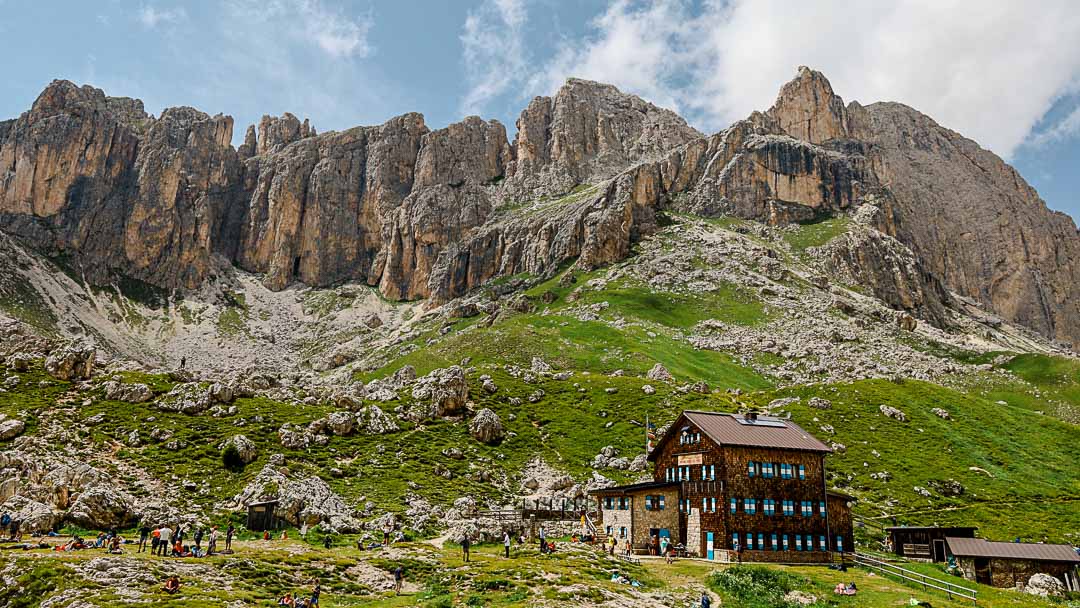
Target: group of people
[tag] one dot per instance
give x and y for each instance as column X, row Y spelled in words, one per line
column 169, row 542
column 301, row 602
column 13, row 525
column 848, row 589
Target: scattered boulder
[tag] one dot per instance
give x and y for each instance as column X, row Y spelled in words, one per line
column 128, row 393
column 800, row 598
column 540, row 366
column 445, row 389
column 373, row 321
column 659, row 373
column 371, row 420
column 947, row 487
column 892, row 412
column 189, row 398
column 294, row 437
column 648, row 389
column 72, row 361
column 221, row 393
column 488, row 384
column 486, row 427
column 245, row 448
column 906, row 322
column 20, row 362
column 11, row 428
column 819, row 403
column 1045, row 585
column 940, row 413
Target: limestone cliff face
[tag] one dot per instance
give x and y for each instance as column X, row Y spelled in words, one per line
column 433, row 214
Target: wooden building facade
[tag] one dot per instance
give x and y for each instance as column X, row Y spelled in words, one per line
column 925, row 542
column 747, row 484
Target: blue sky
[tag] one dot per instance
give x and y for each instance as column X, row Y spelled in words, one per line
column 1006, row 74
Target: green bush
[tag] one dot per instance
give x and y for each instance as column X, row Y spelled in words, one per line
column 756, row 586
column 230, row 458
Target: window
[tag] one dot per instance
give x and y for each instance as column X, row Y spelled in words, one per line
column 789, row 507
column 734, row 505
column 767, row 470
column 821, row 543
column 622, row 532
column 760, row 541
column 798, row 542
column 750, row 506
column 712, row 472
column 610, row 530
column 840, row 544
column 785, row 471
column 775, row 545
column 708, row 472
column 750, row 468
column 708, row 505
column 654, row 502
column 802, row 471
column 609, row 503
column 807, row 508
column 684, row 505
column 624, row 503
column 785, row 542
column 712, row 505
column 734, row 540
column 821, row 508
column 769, row 507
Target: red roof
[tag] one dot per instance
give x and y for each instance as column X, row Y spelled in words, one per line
column 980, row 547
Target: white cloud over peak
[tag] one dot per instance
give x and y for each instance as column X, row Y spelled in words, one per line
column 987, row 69
column 494, row 51
column 311, row 22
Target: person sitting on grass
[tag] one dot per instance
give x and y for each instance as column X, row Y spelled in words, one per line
column 114, row 545
column 287, row 600
column 172, row 585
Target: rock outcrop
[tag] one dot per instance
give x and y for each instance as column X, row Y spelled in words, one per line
column 434, row 214
column 72, row 361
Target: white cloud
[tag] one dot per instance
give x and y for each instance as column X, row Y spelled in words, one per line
column 494, row 51
column 311, row 22
column 1066, row 128
column 989, row 70
column 151, row 17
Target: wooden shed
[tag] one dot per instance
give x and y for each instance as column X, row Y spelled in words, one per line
column 925, row 542
column 261, row 515
column 1013, row 564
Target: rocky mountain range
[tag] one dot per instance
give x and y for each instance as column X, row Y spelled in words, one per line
column 114, row 193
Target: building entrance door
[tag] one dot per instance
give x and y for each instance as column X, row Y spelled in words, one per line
column 939, row 550
column 982, row 571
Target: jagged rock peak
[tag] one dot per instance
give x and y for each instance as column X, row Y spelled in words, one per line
column 808, row 109
column 276, row 132
column 590, row 131
column 62, row 96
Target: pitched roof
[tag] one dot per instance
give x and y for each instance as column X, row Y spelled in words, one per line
column 636, row 487
column 765, row 431
column 980, row 547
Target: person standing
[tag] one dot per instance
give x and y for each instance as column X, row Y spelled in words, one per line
column 229, row 532
column 163, row 540
column 706, row 601
column 506, row 542
column 465, row 548
column 399, row 577
column 211, row 543
column 156, row 534
column 543, row 540
column 144, row 534
column 613, row 543
column 198, row 538
column 315, row 593
column 327, row 541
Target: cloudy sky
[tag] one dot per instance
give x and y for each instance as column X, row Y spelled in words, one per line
column 1006, row 74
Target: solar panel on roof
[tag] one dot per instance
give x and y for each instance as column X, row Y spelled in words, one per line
column 776, row 424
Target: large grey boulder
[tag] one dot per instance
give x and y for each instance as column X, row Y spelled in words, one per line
column 371, row 420
column 102, row 507
column 300, row 501
column 659, row 373
column 11, row 428
column 245, row 447
column 445, row 389
column 130, row 393
column 487, row 427
column 72, row 361
column 1045, row 585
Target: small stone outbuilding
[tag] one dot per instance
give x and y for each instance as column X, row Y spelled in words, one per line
column 1011, row 565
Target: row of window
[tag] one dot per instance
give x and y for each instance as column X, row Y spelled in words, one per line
column 689, row 437
column 780, row 542
column 708, row 473
column 768, row 470
column 622, row 503
column 768, row 507
column 611, row 531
